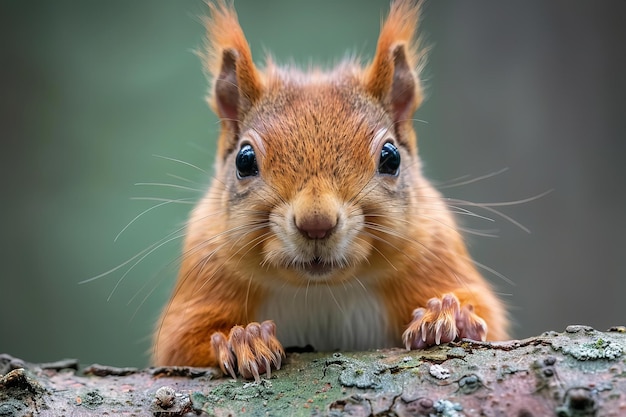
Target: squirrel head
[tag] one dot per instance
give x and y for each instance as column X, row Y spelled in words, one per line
column 310, row 164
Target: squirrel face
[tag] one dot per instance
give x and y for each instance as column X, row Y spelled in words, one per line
column 319, row 181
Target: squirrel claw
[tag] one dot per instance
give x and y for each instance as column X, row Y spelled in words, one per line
column 442, row 321
column 470, row 325
column 254, row 349
column 268, row 335
column 225, row 356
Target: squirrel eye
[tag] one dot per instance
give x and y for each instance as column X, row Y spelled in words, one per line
column 389, row 163
column 246, row 162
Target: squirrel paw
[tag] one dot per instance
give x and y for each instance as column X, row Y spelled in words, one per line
column 443, row 320
column 248, row 351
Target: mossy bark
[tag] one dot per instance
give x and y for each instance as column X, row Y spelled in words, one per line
column 581, row 372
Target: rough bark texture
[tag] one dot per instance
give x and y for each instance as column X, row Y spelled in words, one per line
column 581, row 372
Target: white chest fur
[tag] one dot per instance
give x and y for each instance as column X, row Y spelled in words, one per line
column 329, row 318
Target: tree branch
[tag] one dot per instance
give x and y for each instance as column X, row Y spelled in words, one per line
column 580, row 372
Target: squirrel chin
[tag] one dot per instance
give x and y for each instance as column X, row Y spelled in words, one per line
column 318, row 269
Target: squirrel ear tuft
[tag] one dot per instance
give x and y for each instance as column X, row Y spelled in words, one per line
column 237, row 84
column 392, row 77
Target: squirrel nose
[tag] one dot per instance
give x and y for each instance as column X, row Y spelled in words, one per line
column 316, row 226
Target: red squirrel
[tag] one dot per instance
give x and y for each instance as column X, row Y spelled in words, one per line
column 319, row 228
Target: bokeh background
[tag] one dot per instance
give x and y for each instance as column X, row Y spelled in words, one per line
column 98, row 96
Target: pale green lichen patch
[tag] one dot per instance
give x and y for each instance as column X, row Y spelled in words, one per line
column 598, row 349
column 362, row 375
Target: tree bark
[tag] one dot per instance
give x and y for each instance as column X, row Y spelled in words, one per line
column 581, row 372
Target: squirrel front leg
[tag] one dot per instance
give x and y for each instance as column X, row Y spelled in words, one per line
column 196, row 333
column 454, row 315
column 251, row 350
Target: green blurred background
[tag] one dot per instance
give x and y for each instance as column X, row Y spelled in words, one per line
column 94, row 91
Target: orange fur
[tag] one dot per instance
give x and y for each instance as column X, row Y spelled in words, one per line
column 320, row 213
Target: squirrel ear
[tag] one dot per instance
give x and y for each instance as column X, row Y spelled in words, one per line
column 226, row 88
column 392, row 76
column 406, row 92
column 237, row 84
